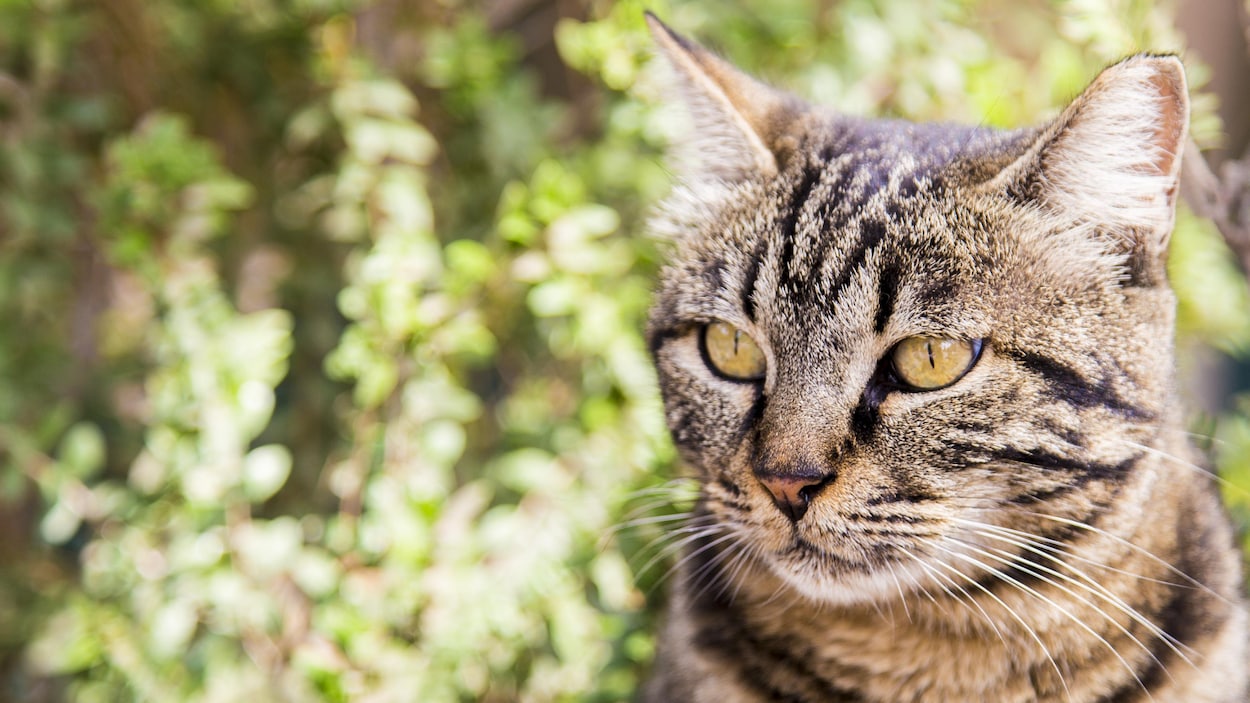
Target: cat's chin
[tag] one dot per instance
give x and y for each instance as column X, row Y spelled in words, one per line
column 844, row 587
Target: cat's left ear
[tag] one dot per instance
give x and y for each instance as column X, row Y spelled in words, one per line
column 1113, row 158
column 741, row 127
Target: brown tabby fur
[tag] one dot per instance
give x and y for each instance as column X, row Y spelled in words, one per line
column 1035, row 531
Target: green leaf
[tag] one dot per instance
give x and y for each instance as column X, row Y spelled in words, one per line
column 265, row 470
column 60, row 523
column 67, row 642
column 82, row 451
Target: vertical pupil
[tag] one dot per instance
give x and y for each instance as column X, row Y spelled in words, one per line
column 929, row 347
column 737, row 334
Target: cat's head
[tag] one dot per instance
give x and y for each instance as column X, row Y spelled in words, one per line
column 878, row 340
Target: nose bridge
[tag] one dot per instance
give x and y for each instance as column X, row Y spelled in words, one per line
column 804, row 427
column 797, row 446
column 821, row 372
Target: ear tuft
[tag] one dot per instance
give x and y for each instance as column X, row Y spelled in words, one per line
column 739, row 124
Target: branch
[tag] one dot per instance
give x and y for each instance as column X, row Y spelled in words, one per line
column 1223, row 199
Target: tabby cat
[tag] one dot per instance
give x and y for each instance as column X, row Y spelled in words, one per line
column 924, row 376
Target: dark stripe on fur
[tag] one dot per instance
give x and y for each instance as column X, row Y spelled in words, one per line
column 683, row 423
column 659, row 337
column 729, row 486
column 1069, row 385
column 1175, row 620
column 714, row 274
column 910, row 497
column 895, row 518
column 871, row 232
column 789, row 225
column 1043, row 495
column 768, row 669
column 766, row 666
column 753, row 273
column 887, row 293
column 755, row 414
column 937, row 292
column 1160, row 650
column 1188, row 615
column 1089, row 470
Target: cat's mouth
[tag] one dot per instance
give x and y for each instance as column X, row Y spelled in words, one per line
column 850, row 558
column 830, row 554
column 856, row 560
column 805, row 552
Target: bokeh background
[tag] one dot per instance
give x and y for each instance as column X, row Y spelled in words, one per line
column 321, row 371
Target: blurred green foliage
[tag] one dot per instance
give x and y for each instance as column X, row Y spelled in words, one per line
column 321, row 370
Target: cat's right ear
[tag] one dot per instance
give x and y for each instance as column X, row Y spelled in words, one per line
column 740, row 127
column 1111, row 161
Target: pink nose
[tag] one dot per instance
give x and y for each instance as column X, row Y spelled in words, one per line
column 791, row 493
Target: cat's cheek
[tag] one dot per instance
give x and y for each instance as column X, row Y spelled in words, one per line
column 704, row 413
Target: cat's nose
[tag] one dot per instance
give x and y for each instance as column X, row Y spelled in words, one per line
column 792, row 494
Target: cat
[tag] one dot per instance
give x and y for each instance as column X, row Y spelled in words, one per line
column 923, row 374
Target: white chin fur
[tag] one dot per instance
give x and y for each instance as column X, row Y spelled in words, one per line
column 879, row 586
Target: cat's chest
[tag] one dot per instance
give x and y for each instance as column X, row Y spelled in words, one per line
column 814, row 654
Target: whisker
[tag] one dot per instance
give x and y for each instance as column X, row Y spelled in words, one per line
column 1033, row 568
column 901, row 597
column 692, row 534
column 670, row 487
column 664, row 501
column 1186, row 464
column 695, row 523
column 732, row 568
column 1139, row 550
column 1055, row 546
column 669, row 495
column 703, row 579
column 1014, row 615
column 650, row 520
column 963, row 597
column 920, row 587
column 752, row 553
column 1091, row 585
column 1025, row 588
column 687, row 558
column 616, row 530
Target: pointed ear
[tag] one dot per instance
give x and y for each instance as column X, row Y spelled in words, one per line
column 1112, row 159
column 741, row 127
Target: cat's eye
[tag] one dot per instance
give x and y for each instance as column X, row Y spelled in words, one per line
column 731, row 352
column 930, row 363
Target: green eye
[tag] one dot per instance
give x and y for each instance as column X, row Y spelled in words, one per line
column 731, row 352
column 930, row 363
